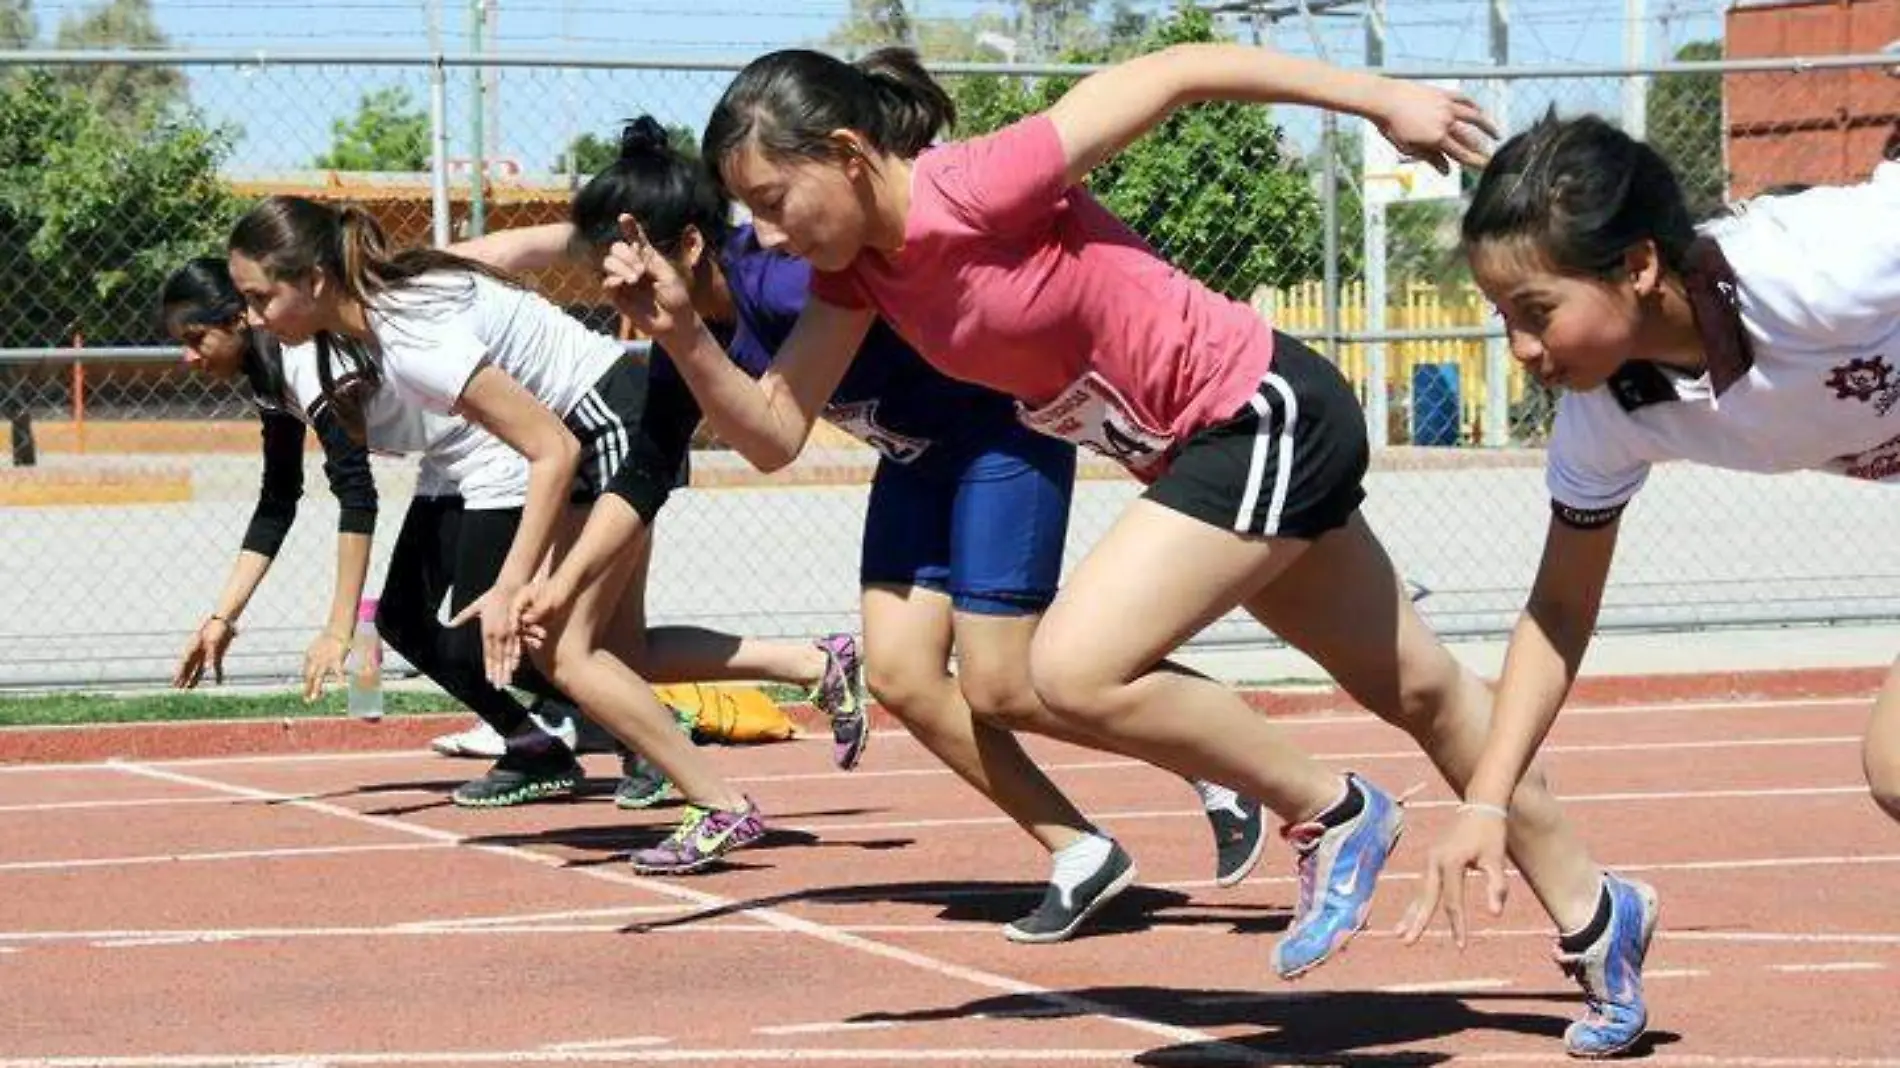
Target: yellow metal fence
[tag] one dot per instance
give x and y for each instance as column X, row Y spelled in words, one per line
column 1301, row 309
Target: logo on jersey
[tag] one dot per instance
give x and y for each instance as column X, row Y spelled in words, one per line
column 859, row 419
column 1866, row 380
column 1878, row 464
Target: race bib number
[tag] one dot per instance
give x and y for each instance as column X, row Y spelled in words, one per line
column 1094, row 415
column 859, row 419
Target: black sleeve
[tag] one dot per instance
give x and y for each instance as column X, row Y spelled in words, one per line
column 346, row 465
column 1586, row 518
column 282, row 487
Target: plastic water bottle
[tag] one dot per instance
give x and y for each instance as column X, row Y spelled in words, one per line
column 366, row 665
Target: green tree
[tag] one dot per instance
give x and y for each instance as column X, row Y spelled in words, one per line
column 1212, row 188
column 1685, row 125
column 1127, row 26
column 127, row 93
column 18, row 27
column 1033, row 29
column 1421, row 237
column 874, row 24
column 95, row 210
column 1055, row 26
column 590, row 153
column 389, row 132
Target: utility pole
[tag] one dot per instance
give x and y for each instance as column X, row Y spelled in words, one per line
column 477, row 138
column 1635, row 54
column 1497, row 401
column 438, row 130
column 1372, row 218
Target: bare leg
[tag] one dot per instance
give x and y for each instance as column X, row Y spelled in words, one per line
column 907, row 633
column 1345, row 606
column 1881, row 751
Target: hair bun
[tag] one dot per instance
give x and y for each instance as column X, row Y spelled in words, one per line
column 643, row 137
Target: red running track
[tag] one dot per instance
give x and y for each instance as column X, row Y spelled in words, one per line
column 336, row 910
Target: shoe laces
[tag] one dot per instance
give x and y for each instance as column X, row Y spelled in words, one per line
column 1304, row 838
column 833, row 689
column 689, row 825
column 1576, row 966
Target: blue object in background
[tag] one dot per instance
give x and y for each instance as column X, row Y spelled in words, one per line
column 1437, row 409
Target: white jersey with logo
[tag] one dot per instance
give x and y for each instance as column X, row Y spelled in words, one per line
column 1817, row 291
column 458, row 457
column 435, row 332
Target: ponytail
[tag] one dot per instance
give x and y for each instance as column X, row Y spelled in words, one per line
column 347, row 395
column 362, row 252
column 788, row 103
column 664, row 189
column 913, row 108
column 291, row 237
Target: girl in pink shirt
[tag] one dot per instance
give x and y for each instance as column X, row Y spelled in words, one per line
column 990, row 259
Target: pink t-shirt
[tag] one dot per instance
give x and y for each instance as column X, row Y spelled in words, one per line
column 1014, row 279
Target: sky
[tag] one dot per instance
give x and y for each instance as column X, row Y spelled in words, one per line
column 285, row 113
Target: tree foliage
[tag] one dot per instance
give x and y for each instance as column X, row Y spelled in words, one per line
column 126, row 93
column 1684, row 117
column 591, row 153
column 1214, row 188
column 96, row 209
column 389, row 132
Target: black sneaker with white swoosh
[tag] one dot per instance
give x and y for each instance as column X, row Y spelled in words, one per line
column 1060, row 913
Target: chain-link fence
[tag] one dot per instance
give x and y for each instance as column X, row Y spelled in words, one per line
column 130, row 479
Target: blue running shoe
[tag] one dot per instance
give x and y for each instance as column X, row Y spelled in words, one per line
column 1611, row 974
column 1339, row 868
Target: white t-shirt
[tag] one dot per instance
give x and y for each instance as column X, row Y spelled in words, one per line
column 435, row 333
column 458, row 456
column 1818, row 296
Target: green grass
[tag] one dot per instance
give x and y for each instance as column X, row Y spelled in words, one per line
column 82, row 708
column 68, row 709
column 784, row 693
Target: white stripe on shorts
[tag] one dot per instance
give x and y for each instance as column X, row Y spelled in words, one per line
column 1256, row 473
column 611, row 446
column 623, row 449
column 589, row 418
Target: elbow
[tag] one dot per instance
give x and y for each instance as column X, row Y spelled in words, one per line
column 565, row 451
column 772, row 461
column 773, row 455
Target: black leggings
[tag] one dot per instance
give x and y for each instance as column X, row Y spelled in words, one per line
column 446, row 550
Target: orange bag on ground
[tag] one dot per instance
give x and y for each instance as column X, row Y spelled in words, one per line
column 734, row 715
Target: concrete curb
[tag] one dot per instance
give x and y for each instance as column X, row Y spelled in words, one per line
column 117, row 484
column 216, row 738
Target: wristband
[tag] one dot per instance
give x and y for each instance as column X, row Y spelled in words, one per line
column 1484, row 809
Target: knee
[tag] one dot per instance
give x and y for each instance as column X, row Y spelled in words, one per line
column 1005, row 700
column 563, row 660
column 406, row 633
column 1429, row 694
column 1883, row 775
column 902, row 686
column 1070, row 684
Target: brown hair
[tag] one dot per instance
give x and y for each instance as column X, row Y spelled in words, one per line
column 292, row 237
column 789, row 102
